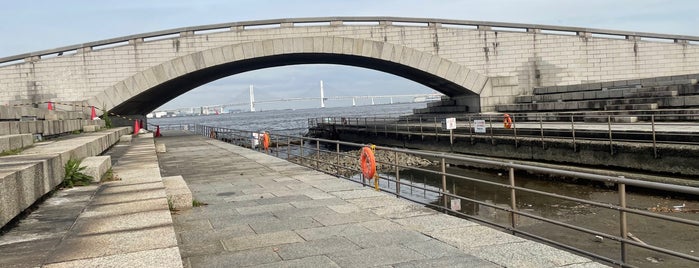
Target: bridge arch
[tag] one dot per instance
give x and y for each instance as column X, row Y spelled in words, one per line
column 144, row 91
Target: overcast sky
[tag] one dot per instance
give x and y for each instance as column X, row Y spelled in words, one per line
column 32, row 25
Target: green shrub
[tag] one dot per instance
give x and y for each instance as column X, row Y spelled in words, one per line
column 106, row 118
column 74, row 175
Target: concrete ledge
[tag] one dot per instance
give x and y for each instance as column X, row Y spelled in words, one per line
column 96, row 166
column 178, row 194
column 90, row 128
column 125, row 138
column 26, row 177
column 16, row 141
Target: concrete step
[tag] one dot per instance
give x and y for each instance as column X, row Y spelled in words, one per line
column 441, row 103
column 46, row 127
column 640, row 106
column 616, row 119
column 26, row 177
column 630, row 83
column 16, row 141
column 178, row 194
column 96, row 166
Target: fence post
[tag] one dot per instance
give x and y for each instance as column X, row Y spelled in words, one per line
column 301, row 152
column 444, row 183
column 541, row 128
column 317, row 154
column 422, row 136
column 572, row 127
column 470, row 129
column 609, row 127
column 337, row 150
column 436, row 134
column 395, row 164
column 514, row 128
column 622, row 220
column 492, row 138
column 513, row 199
column 288, row 147
column 652, row 125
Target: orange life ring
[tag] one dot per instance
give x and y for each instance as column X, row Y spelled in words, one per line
column 265, row 140
column 368, row 163
column 507, row 121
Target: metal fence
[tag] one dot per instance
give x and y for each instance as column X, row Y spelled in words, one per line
column 658, row 129
column 307, row 151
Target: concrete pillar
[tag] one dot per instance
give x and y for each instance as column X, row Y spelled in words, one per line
column 632, row 38
column 336, row 23
column 286, row 24
column 84, row 49
column 532, row 30
column 238, row 28
column 186, row 33
column 483, row 28
column 385, row 23
column 678, row 41
column 584, row 34
column 434, row 25
column 135, row 41
column 32, row 58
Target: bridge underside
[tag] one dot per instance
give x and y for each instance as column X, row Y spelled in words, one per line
column 150, row 99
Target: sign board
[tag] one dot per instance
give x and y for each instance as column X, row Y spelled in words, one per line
column 450, row 123
column 255, row 139
column 479, row 126
column 456, row 204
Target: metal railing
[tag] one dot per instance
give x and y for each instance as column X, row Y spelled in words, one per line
column 333, row 21
column 307, row 151
column 658, row 129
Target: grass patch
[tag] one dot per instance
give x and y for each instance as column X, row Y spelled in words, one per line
column 171, row 205
column 110, row 176
column 197, row 203
column 74, row 175
column 11, row 152
column 75, row 132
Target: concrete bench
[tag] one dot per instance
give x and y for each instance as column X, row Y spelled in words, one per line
column 178, row 194
column 96, row 166
column 125, row 138
column 16, row 141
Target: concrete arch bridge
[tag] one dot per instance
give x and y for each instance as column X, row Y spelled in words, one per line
column 478, row 64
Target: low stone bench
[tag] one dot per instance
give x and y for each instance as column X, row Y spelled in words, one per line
column 125, row 138
column 16, row 141
column 178, row 194
column 96, row 166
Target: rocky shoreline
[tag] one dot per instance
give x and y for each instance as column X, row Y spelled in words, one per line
column 347, row 164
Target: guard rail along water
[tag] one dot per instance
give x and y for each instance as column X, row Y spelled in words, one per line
column 306, row 151
column 653, row 130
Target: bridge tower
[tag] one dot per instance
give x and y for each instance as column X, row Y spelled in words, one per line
column 252, row 99
column 354, row 102
column 322, row 97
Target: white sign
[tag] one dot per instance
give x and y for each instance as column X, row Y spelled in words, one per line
column 456, row 204
column 451, row 123
column 255, row 139
column 479, row 126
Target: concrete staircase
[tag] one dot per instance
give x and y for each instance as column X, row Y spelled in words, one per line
column 624, row 97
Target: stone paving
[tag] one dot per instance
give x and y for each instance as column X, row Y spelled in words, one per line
column 266, row 212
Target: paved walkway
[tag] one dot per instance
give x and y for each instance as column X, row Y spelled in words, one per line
column 266, row 212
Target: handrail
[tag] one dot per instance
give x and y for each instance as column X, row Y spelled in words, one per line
column 284, row 22
column 442, row 193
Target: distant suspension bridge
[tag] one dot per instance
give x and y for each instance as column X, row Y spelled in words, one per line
column 219, row 108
